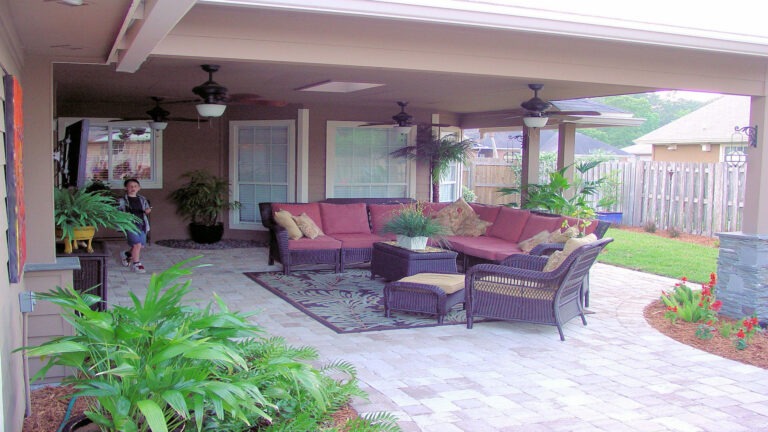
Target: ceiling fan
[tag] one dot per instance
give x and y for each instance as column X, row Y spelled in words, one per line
column 215, row 97
column 159, row 117
column 536, row 112
column 403, row 120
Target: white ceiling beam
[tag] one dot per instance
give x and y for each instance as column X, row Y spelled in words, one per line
column 143, row 35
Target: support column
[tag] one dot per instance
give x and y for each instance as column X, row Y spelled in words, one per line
column 530, row 160
column 566, row 151
column 38, row 162
column 742, row 265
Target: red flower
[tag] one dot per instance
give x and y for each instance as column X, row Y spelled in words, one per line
column 754, row 321
column 684, row 279
column 672, row 308
column 712, row 278
column 741, row 334
column 705, row 290
column 716, row 305
column 701, row 304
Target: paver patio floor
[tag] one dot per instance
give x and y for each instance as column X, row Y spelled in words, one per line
column 616, row 374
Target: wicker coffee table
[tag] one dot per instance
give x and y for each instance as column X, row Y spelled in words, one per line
column 394, row 263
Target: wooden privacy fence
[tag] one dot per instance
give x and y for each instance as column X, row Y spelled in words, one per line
column 696, row 198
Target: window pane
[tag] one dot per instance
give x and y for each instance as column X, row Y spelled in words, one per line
column 364, row 166
column 262, row 168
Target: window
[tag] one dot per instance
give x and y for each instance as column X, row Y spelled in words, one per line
column 450, row 182
column 116, row 153
column 359, row 163
column 262, row 161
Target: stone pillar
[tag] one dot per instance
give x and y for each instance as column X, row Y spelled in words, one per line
column 742, row 270
column 742, row 265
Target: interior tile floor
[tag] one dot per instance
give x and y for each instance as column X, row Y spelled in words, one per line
column 616, row 374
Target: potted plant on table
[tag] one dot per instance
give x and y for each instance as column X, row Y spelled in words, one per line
column 78, row 214
column 201, row 200
column 412, row 227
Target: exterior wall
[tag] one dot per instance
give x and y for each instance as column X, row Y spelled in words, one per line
column 188, row 146
column 12, row 402
column 686, row 153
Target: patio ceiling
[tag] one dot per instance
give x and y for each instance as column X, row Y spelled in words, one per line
column 92, row 43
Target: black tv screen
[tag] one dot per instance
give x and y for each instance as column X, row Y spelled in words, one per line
column 74, row 155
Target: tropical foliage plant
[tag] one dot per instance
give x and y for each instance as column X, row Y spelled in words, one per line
column 561, row 195
column 692, row 305
column 203, row 197
column 74, row 208
column 160, row 364
column 439, row 153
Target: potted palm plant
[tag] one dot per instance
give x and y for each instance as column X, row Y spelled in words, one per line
column 78, row 214
column 201, row 200
column 439, row 153
column 412, row 227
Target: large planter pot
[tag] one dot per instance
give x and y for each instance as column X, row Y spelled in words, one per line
column 81, row 234
column 613, row 217
column 206, row 234
column 414, row 243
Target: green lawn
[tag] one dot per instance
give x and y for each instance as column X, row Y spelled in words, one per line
column 658, row 255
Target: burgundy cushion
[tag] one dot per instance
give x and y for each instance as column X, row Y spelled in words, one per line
column 381, row 214
column 489, row 248
column 345, row 218
column 509, row 224
column 317, row 243
column 590, row 228
column 358, row 240
column 486, row 212
column 538, row 223
column 296, row 209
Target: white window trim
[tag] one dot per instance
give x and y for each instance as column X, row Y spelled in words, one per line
column 330, row 156
column 157, row 154
column 234, row 222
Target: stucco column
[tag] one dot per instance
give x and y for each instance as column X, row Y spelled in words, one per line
column 742, row 264
column 38, row 159
column 530, row 160
column 566, row 150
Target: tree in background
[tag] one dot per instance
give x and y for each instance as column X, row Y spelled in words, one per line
column 656, row 110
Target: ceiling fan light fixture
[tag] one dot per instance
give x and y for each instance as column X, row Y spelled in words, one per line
column 210, row 110
column 535, row 122
column 158, row 125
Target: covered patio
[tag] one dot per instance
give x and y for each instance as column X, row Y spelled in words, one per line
column 616, row 374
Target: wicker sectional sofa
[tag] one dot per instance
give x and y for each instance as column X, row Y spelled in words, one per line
column 351, row 226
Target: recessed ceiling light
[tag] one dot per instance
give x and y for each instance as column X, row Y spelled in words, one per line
column 338, row 86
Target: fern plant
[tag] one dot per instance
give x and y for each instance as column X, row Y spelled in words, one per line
column 79, row 208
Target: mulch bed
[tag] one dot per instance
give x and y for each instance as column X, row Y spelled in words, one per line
column 755, row 354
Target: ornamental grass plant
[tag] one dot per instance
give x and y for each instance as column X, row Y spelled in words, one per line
column 411, row 221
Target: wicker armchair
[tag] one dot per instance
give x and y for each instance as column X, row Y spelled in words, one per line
column 519, row 290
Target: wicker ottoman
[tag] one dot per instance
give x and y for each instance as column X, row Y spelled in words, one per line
column 429, row 293
column 393, row 262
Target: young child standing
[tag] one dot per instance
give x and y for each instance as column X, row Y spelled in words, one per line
column 139, row 206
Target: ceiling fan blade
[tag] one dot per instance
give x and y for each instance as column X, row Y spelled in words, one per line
column 571, row 113
column 185, row 119
column 378, row 124
column 125, row 119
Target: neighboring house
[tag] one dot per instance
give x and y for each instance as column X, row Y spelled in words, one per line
column 704, row 135
column 641, row 152
column 460, row 63
column 502, row 143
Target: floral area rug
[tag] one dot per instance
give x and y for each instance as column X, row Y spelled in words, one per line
column 348, row 302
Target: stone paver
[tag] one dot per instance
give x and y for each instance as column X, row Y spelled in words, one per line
column 615, row 374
